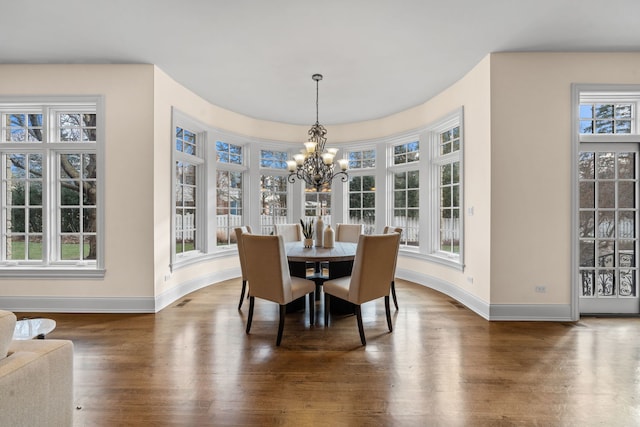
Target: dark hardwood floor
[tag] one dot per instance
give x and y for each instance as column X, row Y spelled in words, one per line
column 193, row 365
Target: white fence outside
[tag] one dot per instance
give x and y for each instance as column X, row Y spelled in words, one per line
column 185, row 226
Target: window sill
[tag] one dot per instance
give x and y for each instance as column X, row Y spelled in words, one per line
column 24, row 272
column 196, row 258
column 454, row 263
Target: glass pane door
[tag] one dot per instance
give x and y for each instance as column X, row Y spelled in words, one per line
column 608, row 216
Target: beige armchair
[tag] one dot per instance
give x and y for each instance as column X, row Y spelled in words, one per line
column 239, row 232
column 373, row 271
column 289, row 232
column 387, row 230
column 269, row 278
column 349, row 232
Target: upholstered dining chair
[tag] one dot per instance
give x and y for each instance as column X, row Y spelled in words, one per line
column 387, row 230
column 289, row 232
column 239, row 232
column 269, row 278
column 373, row 270
column 349, row 232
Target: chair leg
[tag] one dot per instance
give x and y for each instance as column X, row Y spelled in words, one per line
column 388, row 311
column 250, row 318
column 312, row 306
column 327, row 298
column 283, row 310
column 393, row 293
column 244, row 288
column 360, row 327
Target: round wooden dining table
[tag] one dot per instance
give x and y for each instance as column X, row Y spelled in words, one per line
column 339, row 261
column 341, row 251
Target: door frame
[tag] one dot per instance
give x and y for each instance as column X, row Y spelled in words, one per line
column 577, row 90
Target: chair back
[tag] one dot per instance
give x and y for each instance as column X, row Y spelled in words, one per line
column 373, row 267
column 349, row 232
column 267, row 268
column 239, row 232
column 390, row 229
column 289, row 232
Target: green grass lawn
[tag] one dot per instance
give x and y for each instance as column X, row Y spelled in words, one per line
column 70, row 251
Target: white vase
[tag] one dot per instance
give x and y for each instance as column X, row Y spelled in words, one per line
column 329, row 237
column 319, row 231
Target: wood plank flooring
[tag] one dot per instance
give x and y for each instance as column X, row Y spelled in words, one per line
column 193, row 365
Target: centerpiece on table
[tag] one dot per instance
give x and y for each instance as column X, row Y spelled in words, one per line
column 307, row 232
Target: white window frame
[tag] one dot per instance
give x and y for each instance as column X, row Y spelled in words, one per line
column 432, row 245
column 392, row 169
column 343, row 214
column 51, row 266
column 198, row 159
column 243, row 169
column 269, row 171
column 593, row 93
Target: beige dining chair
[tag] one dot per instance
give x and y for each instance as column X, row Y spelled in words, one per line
column 346, row 233
column 289, row 232
column 269, row 278
column 240, row 231
column 373, row 270
column 349, row 232
column 387, row 230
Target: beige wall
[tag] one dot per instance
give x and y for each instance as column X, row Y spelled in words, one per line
column 531, row 167
column 128, row 98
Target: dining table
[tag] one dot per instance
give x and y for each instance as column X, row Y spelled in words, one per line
column 338, row 261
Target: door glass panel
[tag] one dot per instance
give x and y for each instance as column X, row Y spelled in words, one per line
column 626, row 166
column 606, row 283
column 607, row 225
column 606, row 194
column 606, row 166
column 586, row 165
column 587, row 224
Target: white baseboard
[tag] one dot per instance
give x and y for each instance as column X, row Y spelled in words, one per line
column 493, row 312
column 40, row 304
column 166, row 298
column 79, row 304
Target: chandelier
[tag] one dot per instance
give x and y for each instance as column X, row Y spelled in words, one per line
column 315, row 165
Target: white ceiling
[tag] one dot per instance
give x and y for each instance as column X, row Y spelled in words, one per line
column 256, row 57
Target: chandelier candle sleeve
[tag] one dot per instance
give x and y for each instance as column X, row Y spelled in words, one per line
column 316, row 166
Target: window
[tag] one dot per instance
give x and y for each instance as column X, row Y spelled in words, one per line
column 273, row 190
column 599, row 118
column 362, row 202
column 406, row 153
column 229, row 191
column 362, row 159
column 51, row 193
column 186, row 186
column 317, row 203
column 406, row 205
column 405, row 186
column 448, row 164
